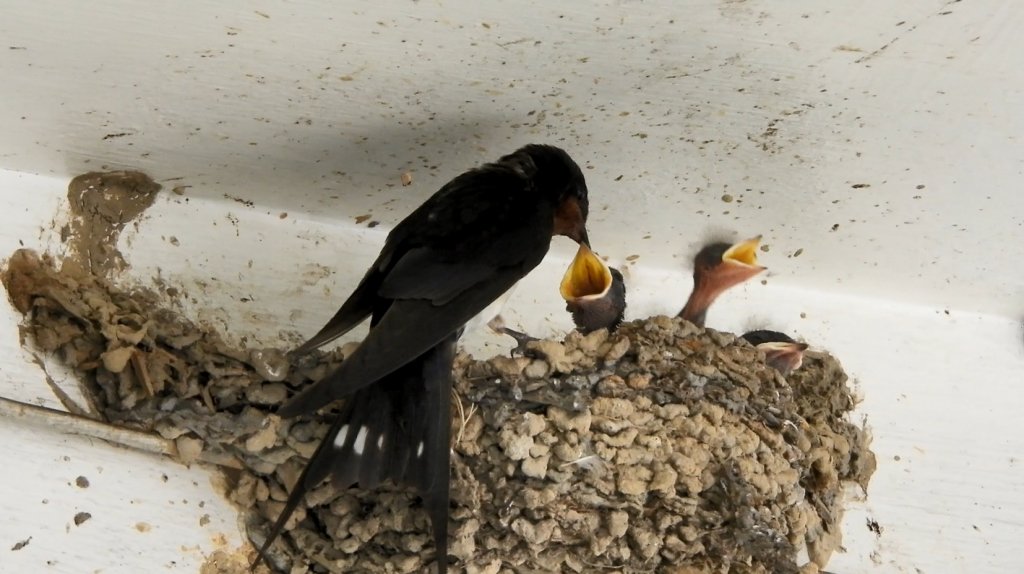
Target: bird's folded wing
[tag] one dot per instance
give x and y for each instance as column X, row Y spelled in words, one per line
column 405, row 331
column 420, row 274
column 356, row 308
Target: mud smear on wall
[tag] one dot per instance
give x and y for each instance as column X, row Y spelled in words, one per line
column 102, row 204
column 663, row 447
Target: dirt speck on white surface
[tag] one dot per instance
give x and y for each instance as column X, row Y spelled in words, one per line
column 661, row 447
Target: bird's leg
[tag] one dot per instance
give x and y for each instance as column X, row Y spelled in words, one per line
column 497, row 324
column 522, row 340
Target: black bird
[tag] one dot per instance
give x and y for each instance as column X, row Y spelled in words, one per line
column 781, row 352
column 594, row 293
column 439, row 267
column 717, row 267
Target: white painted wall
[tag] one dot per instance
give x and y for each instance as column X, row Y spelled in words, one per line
column 316, row 108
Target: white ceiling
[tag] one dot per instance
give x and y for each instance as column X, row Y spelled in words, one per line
column 882, row 139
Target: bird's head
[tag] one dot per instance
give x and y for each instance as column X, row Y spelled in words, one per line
column 721, row 265
column 781, row 352
column 595, row 294
column 605, row 312
column 717, row 267
column 559, row 178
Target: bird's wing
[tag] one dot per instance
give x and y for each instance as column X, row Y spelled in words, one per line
column 406, row 330
column 422, row 274
column 353, row 311
column 450, row 243
column 443, row 264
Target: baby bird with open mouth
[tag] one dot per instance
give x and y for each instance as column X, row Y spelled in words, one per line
column 717, row 267
column 594, row 293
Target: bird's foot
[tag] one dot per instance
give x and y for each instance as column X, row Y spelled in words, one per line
column 522, row 343
column 497, row 324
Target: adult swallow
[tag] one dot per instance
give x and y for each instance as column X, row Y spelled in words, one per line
column 780, row 351
column 439, row 267
column 717, row 267
column 594, row 293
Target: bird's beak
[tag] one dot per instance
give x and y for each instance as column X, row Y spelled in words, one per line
column 739, row 263
column 577, row 230
column 570, row 222
column 582, row 238
column 587, row 276
column 783, row 357
column 744, row 254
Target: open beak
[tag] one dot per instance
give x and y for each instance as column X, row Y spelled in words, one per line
column 739, row 263
column 744, row 255
column 712, row 278
column 783, row 357
column 587, row 276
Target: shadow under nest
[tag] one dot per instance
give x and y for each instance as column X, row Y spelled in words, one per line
column 662, row 447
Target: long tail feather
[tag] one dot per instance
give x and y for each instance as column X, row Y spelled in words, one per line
column 397, row 429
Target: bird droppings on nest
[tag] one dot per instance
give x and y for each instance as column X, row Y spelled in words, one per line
column 662, row 447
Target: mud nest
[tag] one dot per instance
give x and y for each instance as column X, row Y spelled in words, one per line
column 660, row 448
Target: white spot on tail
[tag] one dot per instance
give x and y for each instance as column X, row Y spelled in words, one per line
column 380, row 442
column 360, row 443
column 339, row 441
column 419, row 450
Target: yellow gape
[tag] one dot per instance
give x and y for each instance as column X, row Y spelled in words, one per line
column 587, row 276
